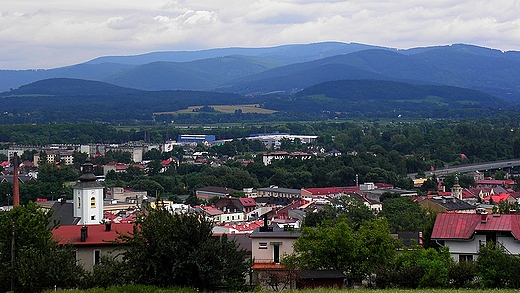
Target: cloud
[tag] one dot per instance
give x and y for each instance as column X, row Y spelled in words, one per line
column 35, row 31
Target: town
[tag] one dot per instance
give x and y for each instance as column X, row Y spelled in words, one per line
column 93, row 209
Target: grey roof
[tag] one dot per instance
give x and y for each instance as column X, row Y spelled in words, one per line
column 277, row 232
column 63, row 213
column 451, row 203
column 21, row 177
column 216, row 189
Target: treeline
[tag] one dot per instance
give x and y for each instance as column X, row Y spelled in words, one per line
column 164, row 250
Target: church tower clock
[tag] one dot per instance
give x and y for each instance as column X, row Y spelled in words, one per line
column 88, row 196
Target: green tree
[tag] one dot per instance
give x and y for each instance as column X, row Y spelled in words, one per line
column 179, row 250
column 496, row 267
column 339, row 247
column 403, row 214
column 39, row 262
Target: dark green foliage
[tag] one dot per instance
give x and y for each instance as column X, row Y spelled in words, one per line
column 109, row 272
column 343, row 208
column 462, row 274
column 179, row 250
column 339, row 247
column 415, row 268
column 39, row 263
column 497, row 268
column 403, row 214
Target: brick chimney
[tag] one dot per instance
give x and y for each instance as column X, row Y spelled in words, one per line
column 16, row 188
column 483, row 217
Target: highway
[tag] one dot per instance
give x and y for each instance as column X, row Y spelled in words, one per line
column 487, row 166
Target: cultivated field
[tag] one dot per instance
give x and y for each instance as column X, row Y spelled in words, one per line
column 247, row 108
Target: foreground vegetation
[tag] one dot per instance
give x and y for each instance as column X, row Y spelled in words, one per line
column 152, row 289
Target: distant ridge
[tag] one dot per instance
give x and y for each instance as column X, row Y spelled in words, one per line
column 290, row 68
column 68, row 87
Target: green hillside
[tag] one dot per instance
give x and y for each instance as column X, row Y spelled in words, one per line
column 68, row 87
column 195, row 75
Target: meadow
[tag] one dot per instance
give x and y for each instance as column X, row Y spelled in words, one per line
column 228, row 109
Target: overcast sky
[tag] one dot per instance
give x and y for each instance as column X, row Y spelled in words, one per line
column 54, row 33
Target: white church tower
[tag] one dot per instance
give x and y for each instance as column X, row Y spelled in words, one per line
column 88, row 196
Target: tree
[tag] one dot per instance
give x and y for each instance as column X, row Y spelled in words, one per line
column 351, row 210
column 341, row 248
column 179, row 250
column 39, row 262
column 403, row 214
column 416, row 267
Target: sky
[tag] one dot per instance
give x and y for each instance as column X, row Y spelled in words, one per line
column 41, row 34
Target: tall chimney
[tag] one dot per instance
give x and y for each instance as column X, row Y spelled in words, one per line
column 16, row 189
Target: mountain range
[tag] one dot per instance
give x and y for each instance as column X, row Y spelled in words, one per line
column 291, row 68
column 319, row 80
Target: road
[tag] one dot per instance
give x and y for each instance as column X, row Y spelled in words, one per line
column 497, row 165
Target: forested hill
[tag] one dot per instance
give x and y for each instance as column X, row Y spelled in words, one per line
column 358, row 91
column 68, row 87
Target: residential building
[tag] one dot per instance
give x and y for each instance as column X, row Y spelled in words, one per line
column 447, row 204
column 208, row 192
column 92, row 241
column 269, row 244
column 464, row 234
column 275, row 191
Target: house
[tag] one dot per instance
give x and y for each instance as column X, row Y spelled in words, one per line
column 92, row 241
column 275, row 191
column 447, row 204
column 501, row 197
column 212, row 191
column 269, row 244
column 464, row 234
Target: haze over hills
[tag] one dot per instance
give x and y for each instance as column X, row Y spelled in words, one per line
column 291, row 68
column 313, row 81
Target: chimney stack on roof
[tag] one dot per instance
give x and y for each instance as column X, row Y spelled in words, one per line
column 483, row 217
column 84, row 233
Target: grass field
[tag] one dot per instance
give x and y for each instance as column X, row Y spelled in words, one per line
column 228, row 109
column 151, row 289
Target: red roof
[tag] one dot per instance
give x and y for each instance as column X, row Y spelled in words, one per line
column 462, row 226
column 96, row 234
column 497, row 198
column 247, row 201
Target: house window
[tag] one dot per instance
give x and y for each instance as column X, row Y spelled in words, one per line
column 276, row 253
column 262, row 245
column 97, row 256
column 92, row 202
column 465, row 258
column 79, row 202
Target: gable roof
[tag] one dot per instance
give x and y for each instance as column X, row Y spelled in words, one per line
column 451, row 203
column 463, row 226
column 97, row 234
column 247, row 201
